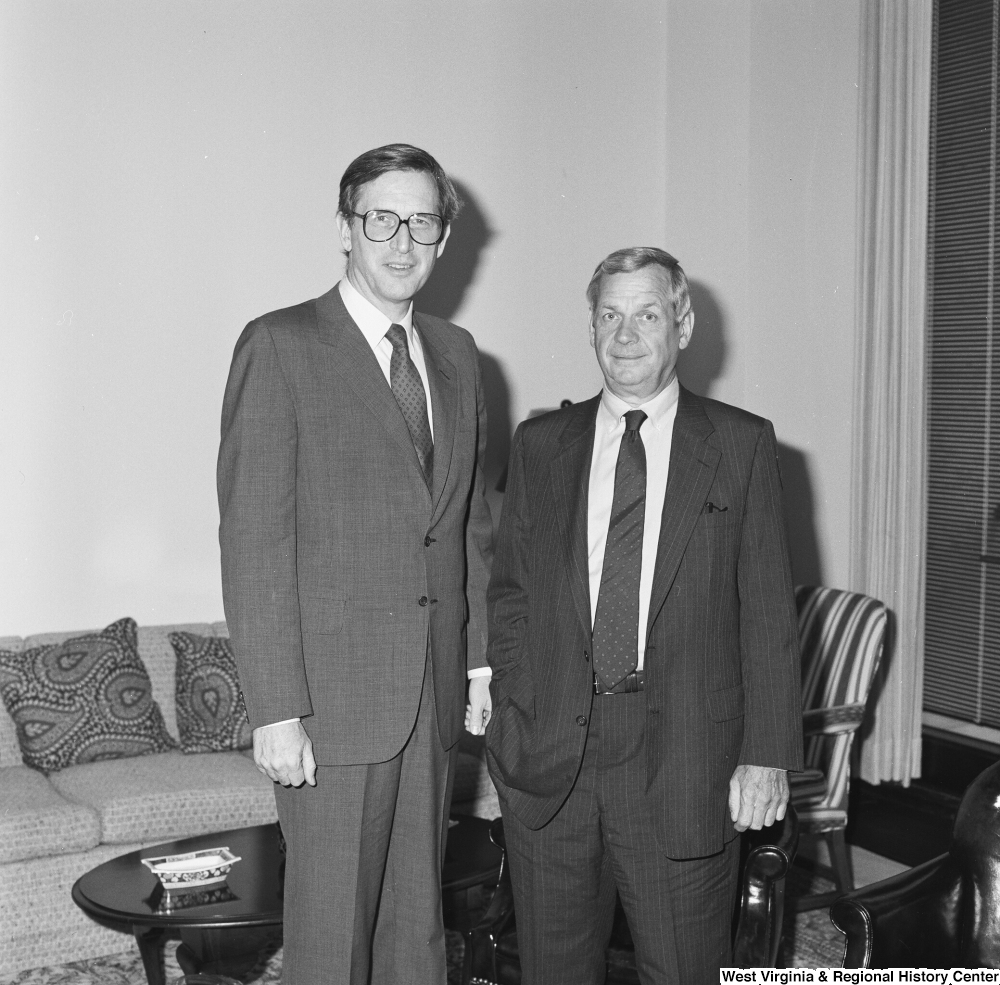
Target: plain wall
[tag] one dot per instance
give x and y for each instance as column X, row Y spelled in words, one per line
column 761, row 208
column 169, row 171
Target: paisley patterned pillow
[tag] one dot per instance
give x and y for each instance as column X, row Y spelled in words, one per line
column 82, row 700
column 210, row 713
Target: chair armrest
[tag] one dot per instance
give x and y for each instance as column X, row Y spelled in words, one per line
column 907, row 921
column 758, row 931
column 499, row 915
column 498, row 920
column 806, row 786
column 833, row 720
column 783, row 834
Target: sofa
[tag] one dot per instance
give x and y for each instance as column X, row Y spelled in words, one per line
column 54, row 827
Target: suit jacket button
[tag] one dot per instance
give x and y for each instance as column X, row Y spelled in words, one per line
column 428, row 541
column 422, row 600
column 581, row 719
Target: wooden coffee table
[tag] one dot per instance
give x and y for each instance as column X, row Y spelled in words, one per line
column 216, row 924
column 226, row 925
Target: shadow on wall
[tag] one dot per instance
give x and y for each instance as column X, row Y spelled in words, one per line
column 800, row 510
column 454, row 274
column 455, row 271
column 499, row 427
column 704, row 360
column 701, row 364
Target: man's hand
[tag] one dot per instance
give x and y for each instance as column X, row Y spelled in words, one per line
column 757, row 796
column 480, row 706
column 284, row 753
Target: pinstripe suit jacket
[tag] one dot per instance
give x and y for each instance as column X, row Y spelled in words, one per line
column 722, row 659
column 339, row 566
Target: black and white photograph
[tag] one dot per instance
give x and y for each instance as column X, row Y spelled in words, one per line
column 499, row 492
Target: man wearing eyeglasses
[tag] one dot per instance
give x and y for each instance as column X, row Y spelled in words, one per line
column 355, row 547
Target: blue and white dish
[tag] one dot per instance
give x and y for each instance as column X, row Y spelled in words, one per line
column 200, row 868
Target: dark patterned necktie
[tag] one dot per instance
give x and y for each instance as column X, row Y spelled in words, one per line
column 616, row 626
column 408, row 389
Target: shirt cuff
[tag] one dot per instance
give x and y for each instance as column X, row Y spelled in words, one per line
column 284, row 722
column 480, row 672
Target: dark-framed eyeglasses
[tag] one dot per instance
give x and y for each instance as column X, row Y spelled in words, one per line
column 380, row 225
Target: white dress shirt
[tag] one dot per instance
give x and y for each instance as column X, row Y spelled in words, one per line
column 657, row 435
column 374, row 325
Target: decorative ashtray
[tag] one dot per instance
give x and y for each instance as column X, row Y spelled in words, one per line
column 192, row 869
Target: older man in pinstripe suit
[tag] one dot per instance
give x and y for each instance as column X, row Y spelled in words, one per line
column 643, row 648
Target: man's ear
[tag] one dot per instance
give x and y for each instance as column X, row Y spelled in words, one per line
column 593, row 332
column 444, row 239
column 344, row 227
column 686, row 329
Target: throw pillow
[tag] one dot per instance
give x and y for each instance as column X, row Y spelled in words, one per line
column 210, row 713
column 82, row 700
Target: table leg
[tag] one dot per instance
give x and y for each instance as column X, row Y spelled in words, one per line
column 187, row 960
column 150, row 941
column 231, row 950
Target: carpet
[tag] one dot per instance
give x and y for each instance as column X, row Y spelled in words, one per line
column 809, row 940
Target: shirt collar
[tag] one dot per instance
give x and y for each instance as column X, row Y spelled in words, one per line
column 369, row 319
column 658, row 410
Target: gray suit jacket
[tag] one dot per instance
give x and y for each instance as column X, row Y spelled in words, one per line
column 722, row 659
column 340, row 569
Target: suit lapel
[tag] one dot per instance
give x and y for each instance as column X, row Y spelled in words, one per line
column 355, row 364
column 442, row 378
column 693, row 464
column 570, row 482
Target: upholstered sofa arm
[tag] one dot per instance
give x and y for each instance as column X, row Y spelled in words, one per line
column 832, row 720
column 907, row 921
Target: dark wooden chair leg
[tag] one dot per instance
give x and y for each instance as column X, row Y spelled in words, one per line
column 843, row 874
column 840, row 860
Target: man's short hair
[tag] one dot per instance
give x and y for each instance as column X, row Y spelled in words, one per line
column 396, row 157
column 634, row 258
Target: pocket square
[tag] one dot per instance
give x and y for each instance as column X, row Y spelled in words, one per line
column 712, row 508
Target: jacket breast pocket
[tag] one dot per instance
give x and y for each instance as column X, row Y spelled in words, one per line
column 726, row 704
column 717, row 518
column 322, row 617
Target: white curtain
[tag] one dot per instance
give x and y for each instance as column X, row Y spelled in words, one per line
column 888, row 500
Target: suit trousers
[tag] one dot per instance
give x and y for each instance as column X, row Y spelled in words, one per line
column 565, row 874
column 363, row 872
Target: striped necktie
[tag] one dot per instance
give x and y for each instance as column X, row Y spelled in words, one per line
column 408, row 389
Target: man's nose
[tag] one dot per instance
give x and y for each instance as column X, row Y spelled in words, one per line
column 627, row 331
column 402, row 241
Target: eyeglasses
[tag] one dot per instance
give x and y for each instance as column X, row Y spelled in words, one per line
column 380, row 225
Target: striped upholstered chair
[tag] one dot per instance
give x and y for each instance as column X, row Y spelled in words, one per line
column 842, row 635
